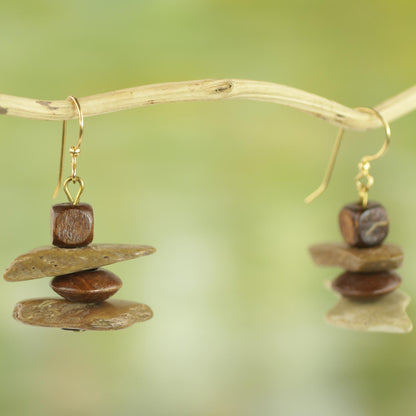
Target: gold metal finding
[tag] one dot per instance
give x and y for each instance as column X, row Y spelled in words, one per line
column 364, row 181
column 320, row 190
column 80, row 191
column 75, row 152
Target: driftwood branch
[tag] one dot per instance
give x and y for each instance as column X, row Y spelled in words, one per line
column 211, row 90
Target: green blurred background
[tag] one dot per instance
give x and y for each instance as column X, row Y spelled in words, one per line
column 218, row 189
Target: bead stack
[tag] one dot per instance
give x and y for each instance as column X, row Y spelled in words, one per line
column 79, row 278
column 72, row 226
column 368, row 278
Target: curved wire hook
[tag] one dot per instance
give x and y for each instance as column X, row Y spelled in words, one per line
column 74, row 150
column 386, row 128
column 364, row 160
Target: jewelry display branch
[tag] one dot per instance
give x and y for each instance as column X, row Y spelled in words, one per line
column 369, row 300
column 211, row 90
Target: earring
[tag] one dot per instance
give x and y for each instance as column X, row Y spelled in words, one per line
column 369, row 300
column 76, row 265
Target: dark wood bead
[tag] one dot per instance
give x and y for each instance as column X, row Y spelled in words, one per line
column 366, row 285
column 72, row 225
column 87, row 286
column 364, row 226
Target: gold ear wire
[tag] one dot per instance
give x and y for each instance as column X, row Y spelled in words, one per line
column 74, row 150
column 363, row 180
column 387, row 129
column 320, row 190
column 61, row 162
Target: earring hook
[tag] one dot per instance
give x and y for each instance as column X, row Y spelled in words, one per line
column 363, row 166
column 74, row 150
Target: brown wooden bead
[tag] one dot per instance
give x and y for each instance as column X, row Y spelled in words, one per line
column 364, row 226
column 87, row 286
column 72, row 225
column 366, row 285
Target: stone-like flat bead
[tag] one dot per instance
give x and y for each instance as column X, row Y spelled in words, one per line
column 385, row 314
column 87, row 286
column 60, row 313
column 366, row 285
column 371, row 259
column 54, row 261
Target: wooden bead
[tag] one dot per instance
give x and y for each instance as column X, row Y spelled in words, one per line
column 366, row 285
column 72, row 225
column 364, row 226
column 87, row 286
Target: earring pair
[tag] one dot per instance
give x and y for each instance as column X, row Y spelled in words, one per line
column 76, row 265
column 369, row 300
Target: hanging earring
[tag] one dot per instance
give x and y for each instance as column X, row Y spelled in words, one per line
column 369, row 300
column 76, row 265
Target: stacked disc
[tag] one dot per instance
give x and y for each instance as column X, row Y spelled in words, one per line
column 368, row 264
column 78, row 276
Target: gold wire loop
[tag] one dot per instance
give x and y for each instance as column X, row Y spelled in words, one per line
column 74, row 150
column 80, row 190
column 364, row 181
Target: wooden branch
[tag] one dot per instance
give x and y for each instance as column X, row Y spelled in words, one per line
column 211, row 90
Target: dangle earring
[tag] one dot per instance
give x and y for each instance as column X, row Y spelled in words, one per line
column 369, row 300
column 76, row 266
